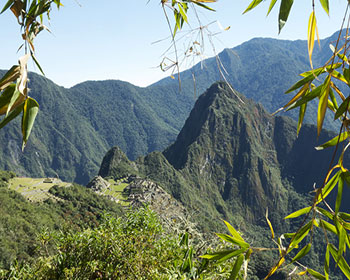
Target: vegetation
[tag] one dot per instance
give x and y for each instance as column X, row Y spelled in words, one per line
column 22, row 222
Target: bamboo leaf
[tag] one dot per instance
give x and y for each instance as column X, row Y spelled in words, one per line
column 303, row 252
column 269, row 223
column 299, row 213
column 273, row 270
column 223, row 255
column 322, row 105
column 311, row 35
column 285, row 8
column 316, row 274
column 272, row 4
column 233, row 232
column 342, row 237
column 325, row 5
column 342, row 137
column 5, row 98
column 236, row 268
column 325, row 213
column 344, row 216
column 30, row 110
column 328, row 187
column 342, row 108
column 343, row 265
column 300, row 235
column 302, row 111
column 233, row 240
column 14, row 113
column 252, row 5
column 308, row 77
column 7, row 5
column 300, row 93
column 340, row 193
column 328, row 226
column 326, row 263
column 10, row 76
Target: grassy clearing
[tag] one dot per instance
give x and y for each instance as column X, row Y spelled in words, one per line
column 35, row 189
column 116, row 189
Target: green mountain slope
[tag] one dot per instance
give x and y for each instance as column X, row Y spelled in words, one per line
column 76, row 126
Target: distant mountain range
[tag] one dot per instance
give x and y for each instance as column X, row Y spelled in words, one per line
column 76, row 126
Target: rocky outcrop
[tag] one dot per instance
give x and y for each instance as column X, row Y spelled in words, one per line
column 98, row 184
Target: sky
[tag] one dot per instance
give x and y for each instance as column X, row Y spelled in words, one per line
column 114, row 39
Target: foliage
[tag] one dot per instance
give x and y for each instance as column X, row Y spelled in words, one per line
column 22, row 221
column 130, row 247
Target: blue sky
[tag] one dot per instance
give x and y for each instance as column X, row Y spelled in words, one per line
column 112, row 39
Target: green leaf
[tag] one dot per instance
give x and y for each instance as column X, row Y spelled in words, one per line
column 328, row 187
column 15, row 96
column 340, row 193
column 7, row 5
column 14, row 113
column 285, row 8
column 342, row 108
column 252, row 5
column 344, row 216
column 326, row 263
column 341, row 262
column 311, row 31
column 233, row 232
column 333, row 99
column 204, row 6
column 307, row 97
column 30, row 110
column 232, row 240
column 316, row 274
column 299, row 212
column 303, row 252
column 325, row 5
column 325, row 212
column 342, row 137
column 5, row 98
column 37, row 63
column 300, row 235
column 328, row 226
column 272, row 4
column 236, row 267
column 346, row 73
column 322, row 105
column 309, row 76
column 10, row 76
column 302, row 111
column 223, row 255
column 341, row 247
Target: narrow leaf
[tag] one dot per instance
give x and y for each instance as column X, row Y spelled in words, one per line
column 273, row 270
column 11, row 116
column 236, row 267
column 316, row 274
column 272, row 4
column 342, row 137
column 300, row 235
column 328, row 226
column 325, row 5
column 223, row 255
column 10, row 77
column 233, row 240
column 328, row 187
column 341, row 262
column 233, row 232
column 299, row 212
column 322, row 105
column 340, row 193
column 326, row 263
column 30, row 110
column 342, row 108
column 8, row 4
column 302, row 111
column 303, row 252
column 269, row 223
column 252, row 5
column 311, row 35
column 285, row 8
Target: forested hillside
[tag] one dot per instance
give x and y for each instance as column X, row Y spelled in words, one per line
column 76, row 126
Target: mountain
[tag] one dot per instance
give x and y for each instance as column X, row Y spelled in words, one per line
column 76, row 126
column 232, row 161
